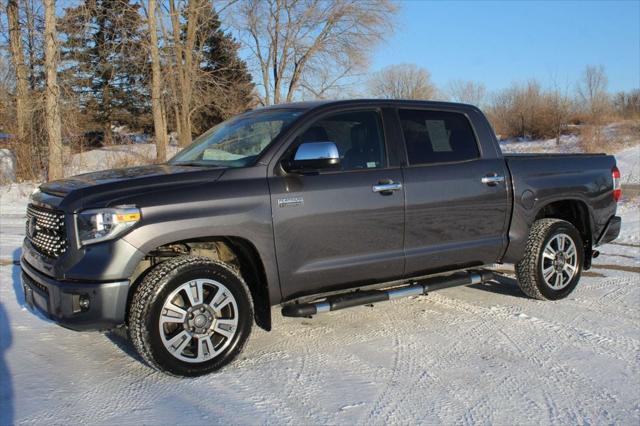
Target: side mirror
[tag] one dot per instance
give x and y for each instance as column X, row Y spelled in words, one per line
column 314, row 156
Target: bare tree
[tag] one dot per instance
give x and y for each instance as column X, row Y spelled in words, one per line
column 627, row 104
column 34, row 26
column 183, row 46
column 403, row 81
column 159, row 122
column 519, row 111
column 592, row 91
column 468, row 92
column 6, row 83
column 295, row 42
column 194, row 84
column 558, row 105
column 52, row 94
column 22, row 88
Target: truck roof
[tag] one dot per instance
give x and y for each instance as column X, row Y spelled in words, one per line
column 308, row 105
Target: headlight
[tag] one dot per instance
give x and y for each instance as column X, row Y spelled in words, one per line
column 104, row 224
column 33, row 193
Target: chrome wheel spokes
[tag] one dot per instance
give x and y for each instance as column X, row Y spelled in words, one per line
column 198, row 320
column 559, row 261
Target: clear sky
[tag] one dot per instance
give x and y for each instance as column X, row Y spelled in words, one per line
column 499, row 42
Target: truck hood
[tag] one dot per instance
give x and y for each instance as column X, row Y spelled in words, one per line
column 117, row 183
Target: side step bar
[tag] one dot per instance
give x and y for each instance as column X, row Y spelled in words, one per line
column 357, row 298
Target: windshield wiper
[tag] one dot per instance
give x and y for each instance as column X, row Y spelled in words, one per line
column 191, row 164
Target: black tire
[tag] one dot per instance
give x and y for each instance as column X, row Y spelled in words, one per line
column 529, row 269
column 147, row 306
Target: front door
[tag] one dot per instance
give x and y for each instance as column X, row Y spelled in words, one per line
column 339, row 229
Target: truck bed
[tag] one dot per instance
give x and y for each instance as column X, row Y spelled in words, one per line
column 550, row 154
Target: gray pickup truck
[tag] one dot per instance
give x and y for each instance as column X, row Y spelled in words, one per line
column 313, row 206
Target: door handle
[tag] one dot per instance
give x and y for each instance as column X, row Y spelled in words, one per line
column 493, row 179
column 387, row 188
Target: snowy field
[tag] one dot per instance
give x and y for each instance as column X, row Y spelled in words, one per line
column 481, row 354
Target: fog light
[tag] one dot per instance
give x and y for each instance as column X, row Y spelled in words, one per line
column 84, row 303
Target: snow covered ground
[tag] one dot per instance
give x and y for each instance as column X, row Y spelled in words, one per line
column 7, row 166
column 481, row 354
column 114, row 156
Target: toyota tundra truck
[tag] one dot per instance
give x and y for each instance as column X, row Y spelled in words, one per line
column 312, row 206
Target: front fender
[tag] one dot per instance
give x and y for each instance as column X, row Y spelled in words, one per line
column 237, row 208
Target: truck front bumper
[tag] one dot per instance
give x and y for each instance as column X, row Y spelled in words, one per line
column 75, row 305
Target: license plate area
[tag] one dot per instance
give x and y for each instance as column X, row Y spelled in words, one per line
column 40, row 302
column 34, row 295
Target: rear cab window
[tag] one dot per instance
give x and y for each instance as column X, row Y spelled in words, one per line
column 437, row 136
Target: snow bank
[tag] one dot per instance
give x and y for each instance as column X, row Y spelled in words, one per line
column 7, row 166
column 629, row 210
column 114, row 156
column 14, row 197
column 628, row 161
column 568, row 144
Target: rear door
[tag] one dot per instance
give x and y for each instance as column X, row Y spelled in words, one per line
column 456, row 197
column 336, row 229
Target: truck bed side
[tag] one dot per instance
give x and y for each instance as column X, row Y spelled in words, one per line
column 565, row 184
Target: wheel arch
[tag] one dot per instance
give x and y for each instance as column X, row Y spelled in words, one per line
column 238, row 252
column 576, row 212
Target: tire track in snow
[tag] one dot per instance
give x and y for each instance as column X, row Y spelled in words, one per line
column 562, row 374
column 615, row 346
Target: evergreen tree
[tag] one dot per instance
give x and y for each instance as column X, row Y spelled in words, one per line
column 105, row 63
column 229, row 83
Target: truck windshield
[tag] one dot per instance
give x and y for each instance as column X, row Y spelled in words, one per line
column 236, row 142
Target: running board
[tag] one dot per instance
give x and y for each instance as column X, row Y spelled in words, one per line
column 358, row 298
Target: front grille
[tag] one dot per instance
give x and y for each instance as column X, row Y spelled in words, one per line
column 46, row 230
column 27, row 280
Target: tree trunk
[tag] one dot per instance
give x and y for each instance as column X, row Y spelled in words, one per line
column 52, row 93
column 176, row 114
column 183, row 51
column 159, row 120
column 22, row 90
column 31, row 29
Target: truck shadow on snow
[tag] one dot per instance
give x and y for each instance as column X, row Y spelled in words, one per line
column 503, row 285
column 6, row 386
column 6, row 340
column 120, row 338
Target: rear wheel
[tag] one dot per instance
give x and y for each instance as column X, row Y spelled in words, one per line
column 190, row 316
column 552, row 264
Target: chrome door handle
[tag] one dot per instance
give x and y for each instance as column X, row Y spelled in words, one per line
column 387, row 187
column 492, row 180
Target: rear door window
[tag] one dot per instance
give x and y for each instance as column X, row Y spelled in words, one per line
column 437, row 136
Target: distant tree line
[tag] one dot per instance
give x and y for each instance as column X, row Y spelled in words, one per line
column 526, row 110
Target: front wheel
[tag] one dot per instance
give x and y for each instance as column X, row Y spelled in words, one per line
column 190, row 316
column 552, row 264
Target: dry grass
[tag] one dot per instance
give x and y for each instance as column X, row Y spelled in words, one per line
column 611, row 138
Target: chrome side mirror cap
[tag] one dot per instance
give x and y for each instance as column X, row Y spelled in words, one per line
column 314, row 156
